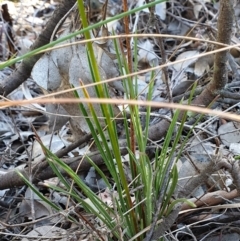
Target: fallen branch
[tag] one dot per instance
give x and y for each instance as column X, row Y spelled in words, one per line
column 42, row 171
column 211, row 199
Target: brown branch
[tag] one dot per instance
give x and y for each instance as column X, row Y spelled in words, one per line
column 10, row 39
column 214, row 166
column 23, row 72
column 212, row 198
column 42, row 171
column 12, row 179
column 225, row 24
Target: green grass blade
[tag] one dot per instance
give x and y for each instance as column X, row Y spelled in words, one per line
column 31, row 186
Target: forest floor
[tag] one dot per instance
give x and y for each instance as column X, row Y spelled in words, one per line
column 23, row 215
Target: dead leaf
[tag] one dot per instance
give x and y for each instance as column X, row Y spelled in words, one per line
column 229, row 133
column 184, row 64
column 64, row 68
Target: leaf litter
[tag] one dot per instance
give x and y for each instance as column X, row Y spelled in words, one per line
column 56, row 71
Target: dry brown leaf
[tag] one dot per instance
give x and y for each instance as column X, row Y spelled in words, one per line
column 66, row 67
